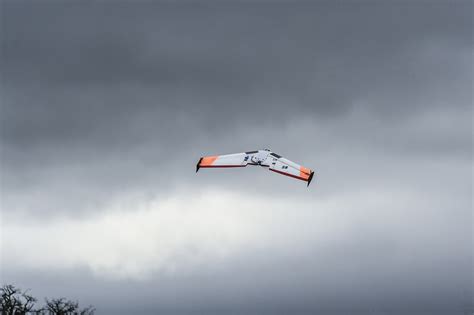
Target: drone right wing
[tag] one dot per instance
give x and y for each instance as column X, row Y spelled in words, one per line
column 289, row 168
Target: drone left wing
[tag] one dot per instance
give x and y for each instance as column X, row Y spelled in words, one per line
column 226, row 160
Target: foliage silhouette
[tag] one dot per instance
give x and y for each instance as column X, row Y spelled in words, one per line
column 14, row 301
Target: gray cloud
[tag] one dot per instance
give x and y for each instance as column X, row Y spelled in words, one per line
column 103, row 101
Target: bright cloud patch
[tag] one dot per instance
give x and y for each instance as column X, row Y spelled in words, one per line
column 135, row 237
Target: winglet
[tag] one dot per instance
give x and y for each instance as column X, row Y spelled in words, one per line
column 198, row 165
column 310, row 178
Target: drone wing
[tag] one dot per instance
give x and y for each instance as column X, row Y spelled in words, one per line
column 281, row 165
column 226, row 160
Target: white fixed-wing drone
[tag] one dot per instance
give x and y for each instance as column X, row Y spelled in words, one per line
column 264, row 158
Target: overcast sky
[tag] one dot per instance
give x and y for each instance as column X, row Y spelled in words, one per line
column 107, row 106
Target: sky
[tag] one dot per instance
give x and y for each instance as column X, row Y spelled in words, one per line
column 106, row 107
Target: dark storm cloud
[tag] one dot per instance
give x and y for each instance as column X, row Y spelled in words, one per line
column 317, row 58
column 103, row 99
column 104, row 77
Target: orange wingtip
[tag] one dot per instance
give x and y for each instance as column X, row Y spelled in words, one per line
column 208, row 160
column 305, row 172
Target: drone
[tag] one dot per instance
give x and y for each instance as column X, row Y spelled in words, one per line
column 263, row 158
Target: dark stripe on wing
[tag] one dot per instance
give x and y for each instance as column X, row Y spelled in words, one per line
column 286, row 174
